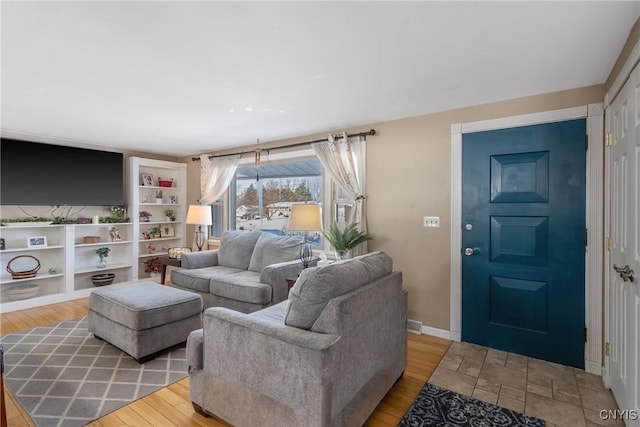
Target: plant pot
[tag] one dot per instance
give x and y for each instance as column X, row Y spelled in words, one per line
column 341, row 255
column 101, row 263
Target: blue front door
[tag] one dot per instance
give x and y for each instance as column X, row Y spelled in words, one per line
column 523, row 240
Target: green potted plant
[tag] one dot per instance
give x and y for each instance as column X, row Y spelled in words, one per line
column 155, row 232
column 102, row 252
column 170, row 214
column 344, row 239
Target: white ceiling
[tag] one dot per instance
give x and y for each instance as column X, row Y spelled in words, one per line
column 182, row 78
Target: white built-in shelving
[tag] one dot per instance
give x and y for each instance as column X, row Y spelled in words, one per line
column 66, row 262
column 142, row 197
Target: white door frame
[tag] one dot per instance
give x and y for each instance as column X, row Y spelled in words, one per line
column 594, row 217
column 618, row 83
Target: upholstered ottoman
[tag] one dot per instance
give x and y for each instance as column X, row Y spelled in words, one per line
column 144, row 318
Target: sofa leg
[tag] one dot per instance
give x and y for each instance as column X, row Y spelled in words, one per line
column 199, row 410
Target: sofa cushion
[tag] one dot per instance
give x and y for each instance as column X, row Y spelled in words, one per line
column 236, row 248
column 316, row 286
column 199, row 279
column 272, row 249
column 242, row 286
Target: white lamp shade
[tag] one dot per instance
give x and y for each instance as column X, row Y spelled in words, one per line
column 199, row 215
column 305, row 218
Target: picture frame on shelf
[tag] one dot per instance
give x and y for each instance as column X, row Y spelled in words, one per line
column 173, row 200
column 147, row 179
column 37, row 242
column 167, row 230
column 2, row 244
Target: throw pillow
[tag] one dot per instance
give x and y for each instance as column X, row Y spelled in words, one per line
column 316, row 286
column 236, row 248
column 272, row 249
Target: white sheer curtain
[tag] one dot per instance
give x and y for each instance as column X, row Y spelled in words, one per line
column 216, row 174
column 345, row 160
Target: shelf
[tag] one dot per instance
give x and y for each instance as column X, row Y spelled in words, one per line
column 6, row 280
column 159, row 204
column 159, row 239
column 25, row 249
column 30, row 225
column 108, row 267
column 110, row 224
column 119, row 242
column 152, row 255
column 159, row 222
column 157, row 187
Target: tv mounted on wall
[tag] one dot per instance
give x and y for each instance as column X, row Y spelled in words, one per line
column 33, row 173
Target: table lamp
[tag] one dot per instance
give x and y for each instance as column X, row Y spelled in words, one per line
column 199, row 215
column 305, row 218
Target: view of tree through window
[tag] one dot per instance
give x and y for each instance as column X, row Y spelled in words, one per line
column 264, row 194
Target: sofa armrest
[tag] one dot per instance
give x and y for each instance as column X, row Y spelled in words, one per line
column 249, row 325
column 276, row 275
column 195, row 349
column 249, row 359
column 202, row 259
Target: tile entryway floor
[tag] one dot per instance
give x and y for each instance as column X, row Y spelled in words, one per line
column 560, row 395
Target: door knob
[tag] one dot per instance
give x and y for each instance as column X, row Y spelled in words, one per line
column 471, row 251
column 625, row 272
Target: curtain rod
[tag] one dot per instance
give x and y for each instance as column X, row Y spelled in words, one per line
column 370, row 132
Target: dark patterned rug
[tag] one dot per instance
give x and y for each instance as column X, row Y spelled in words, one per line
column 436, row 406
column 64, row 377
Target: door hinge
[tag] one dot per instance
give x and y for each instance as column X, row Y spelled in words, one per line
column 608, row 141
column 586, row 237
column 607, row 349
column 585, row 334
column 607, row 243
column 586, row 142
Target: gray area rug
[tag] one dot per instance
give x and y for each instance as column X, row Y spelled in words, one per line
column 63, row 376
column 437, row 406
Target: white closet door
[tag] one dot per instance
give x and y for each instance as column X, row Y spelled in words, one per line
column 624, row 298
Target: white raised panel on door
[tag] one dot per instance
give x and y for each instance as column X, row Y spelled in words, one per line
column 623, row 119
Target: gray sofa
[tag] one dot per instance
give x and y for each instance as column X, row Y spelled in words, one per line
column 325, row 357
column 247, row 273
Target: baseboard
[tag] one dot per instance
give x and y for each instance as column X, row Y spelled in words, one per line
column 593, row 367
column 435, row 332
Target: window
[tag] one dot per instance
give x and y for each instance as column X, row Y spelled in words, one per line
column 261, row 197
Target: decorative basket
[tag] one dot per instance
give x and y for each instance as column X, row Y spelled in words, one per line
column 91, row 239
column 165, row 182
column 23, row 267
column 21, row 292
column 103, row 279
column 177, row 252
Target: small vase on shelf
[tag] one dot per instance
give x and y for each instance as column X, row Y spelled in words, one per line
column 102, row 263
column 102, row 253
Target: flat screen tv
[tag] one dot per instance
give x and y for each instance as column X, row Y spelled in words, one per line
column 57, row 175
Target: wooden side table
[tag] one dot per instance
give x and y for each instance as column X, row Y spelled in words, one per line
column 165, row 261
column 290, row 282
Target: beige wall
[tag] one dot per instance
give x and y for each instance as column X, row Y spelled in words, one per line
column 408, row 177
column 632, row 40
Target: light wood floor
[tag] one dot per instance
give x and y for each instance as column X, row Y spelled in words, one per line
column 171, row 406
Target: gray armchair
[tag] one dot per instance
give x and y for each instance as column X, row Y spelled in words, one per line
column 325, row 357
